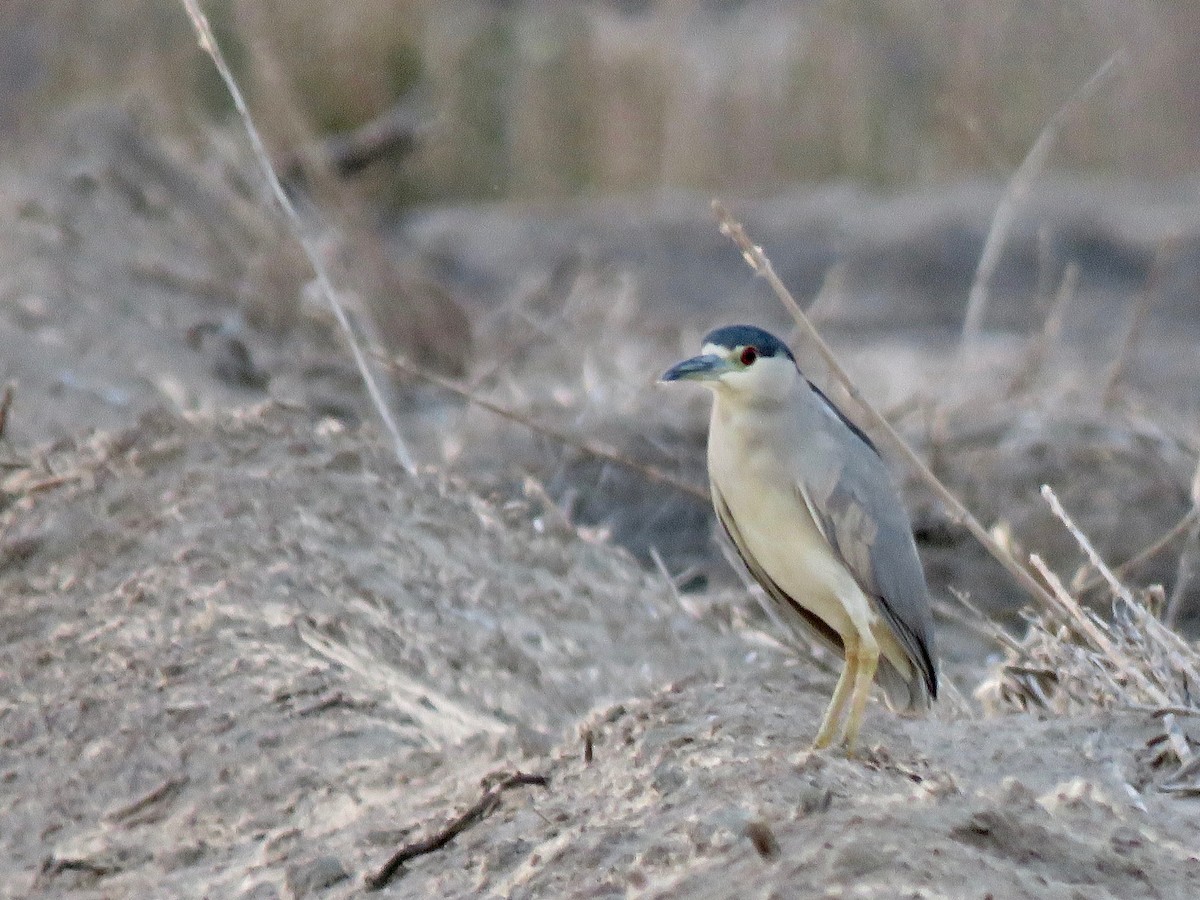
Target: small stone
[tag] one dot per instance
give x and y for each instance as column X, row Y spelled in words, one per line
column 668, row 777
column 763, row 839
column 305, row 879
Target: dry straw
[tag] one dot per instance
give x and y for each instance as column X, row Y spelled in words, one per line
column 1073, row 660
column 1017, row 189
column 208, row 43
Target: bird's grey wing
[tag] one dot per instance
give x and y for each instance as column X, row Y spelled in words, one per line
column 852, row 499
column 814, row 625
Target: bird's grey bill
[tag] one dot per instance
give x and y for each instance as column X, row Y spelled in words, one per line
column 698, row 368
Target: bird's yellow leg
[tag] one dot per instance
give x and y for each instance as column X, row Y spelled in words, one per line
column 866, row 654
column 841, row 693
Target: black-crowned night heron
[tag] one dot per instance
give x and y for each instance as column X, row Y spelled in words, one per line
column 811, row 508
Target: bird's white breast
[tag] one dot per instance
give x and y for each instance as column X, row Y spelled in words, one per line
column 762, row 492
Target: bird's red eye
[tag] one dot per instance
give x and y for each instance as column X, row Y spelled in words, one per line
column 749, row 355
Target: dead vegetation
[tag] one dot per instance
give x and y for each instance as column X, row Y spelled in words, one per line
column 1073, row 660
column 557, row 426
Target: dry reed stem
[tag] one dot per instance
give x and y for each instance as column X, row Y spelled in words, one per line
column 1039, row 348
column 976, row 619
column 761, row 265
column 1180, row 528
column 672, row 587
column 1016, row 190
column 1094, row 632
column 400, row 364
column 1086, row 545
column 1187, row 570
column 1141, row 312
column 208, row 43
column 949, row 694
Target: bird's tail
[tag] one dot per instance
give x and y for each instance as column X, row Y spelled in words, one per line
column 904, row 693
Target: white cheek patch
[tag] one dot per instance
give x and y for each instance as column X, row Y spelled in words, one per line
column 715, row 350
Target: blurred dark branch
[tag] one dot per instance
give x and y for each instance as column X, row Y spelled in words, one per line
column 480, row 810
column 5, row 405
column 395, row 133
column 1167, row 251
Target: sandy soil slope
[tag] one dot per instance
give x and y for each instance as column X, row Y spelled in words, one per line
column 249, row 656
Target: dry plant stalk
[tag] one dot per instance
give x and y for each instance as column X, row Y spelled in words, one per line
column 1187, row 526
column 208, row 43
column 1073, row 660
column 1183, row 527
column 1045, row 340
column 584, row 445
column 1141, row 312
column 1188, row 569
column 758, row 261
column 1016, row 190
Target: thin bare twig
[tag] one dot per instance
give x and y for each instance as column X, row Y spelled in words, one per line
column 1187, row 572
column 480, row 810
column 661, row 565
column 208, row 43
column 1178, row 530
column 758, row 261
column 557, row 434
column 975, row 619
column 1141, row 312
column 1100, row 641
column 163, row 791
column 1086, row 545
column 1039, row 348
column 5, row 404
column 1016, row 190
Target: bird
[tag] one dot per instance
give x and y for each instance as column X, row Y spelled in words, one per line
column 810, row 506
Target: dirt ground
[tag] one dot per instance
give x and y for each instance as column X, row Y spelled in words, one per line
column 244, row 654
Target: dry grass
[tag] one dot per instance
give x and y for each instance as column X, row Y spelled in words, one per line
column 208, row 43
column 1017, row 189
column 562, row 98
column 1072, row 660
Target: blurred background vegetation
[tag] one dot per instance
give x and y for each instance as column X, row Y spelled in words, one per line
column 865, row 142
column 561, row 98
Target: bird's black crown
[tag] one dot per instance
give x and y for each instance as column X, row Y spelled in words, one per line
column 749, row 336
